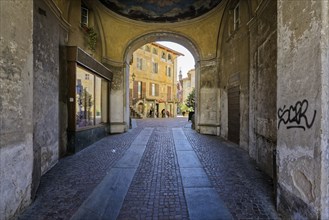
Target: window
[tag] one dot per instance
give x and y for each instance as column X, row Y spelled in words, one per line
column 154, row 89
column 155, row 67
column 168, row 71
column 236, row 16
column 163, row 56
column 84, row 16
column 147, row 48
column 91, row 99
column 155, row 51
column 140, row 63
column 139, row 90
column 169, row 57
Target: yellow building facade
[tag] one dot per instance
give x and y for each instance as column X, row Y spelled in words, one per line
column 152, row 85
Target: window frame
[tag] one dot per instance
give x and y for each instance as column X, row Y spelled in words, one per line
column 92, row 76
column 152, row 89
column 139, row 63
column 168, row 71
column 78, row 57
column 155, row 51
column 147, row 48
column 236, row 16
column 163, row 56
column 155, row 67
column 84, row 17
column 169, row 57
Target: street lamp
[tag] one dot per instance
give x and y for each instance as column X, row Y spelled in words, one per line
column 132, row 91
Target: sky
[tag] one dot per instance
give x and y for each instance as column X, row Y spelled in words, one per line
column 186, row 62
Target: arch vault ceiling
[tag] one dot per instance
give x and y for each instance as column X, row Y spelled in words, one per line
column 160, row 11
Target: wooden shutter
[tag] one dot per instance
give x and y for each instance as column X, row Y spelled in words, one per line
column 150, row 89
column 143, row 90
column 156, row 89
column 135, row 94
column 168, row 93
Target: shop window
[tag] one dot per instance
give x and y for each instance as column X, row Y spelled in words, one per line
column 91, row 99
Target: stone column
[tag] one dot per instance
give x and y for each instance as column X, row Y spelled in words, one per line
column 302, row 109
column 119, row 97
column 207, row 93
column 16, row 106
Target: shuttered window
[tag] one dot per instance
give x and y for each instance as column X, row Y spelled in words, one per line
column 154, row 89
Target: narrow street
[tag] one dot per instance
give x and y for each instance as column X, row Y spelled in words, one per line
column 160, row 169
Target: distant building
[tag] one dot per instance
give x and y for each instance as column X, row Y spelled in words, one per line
column 180, row 88
column 153, row 79
column 188, row 84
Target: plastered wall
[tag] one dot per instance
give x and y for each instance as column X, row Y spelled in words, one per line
column 302, row 109
column 234, row 64
column 16, row 106
column 263, row 86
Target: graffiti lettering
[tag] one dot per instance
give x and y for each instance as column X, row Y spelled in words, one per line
column 295, row 116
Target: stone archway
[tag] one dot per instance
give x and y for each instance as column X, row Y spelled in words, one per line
column 160, row 36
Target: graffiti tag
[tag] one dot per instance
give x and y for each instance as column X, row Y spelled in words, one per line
column 295, row 116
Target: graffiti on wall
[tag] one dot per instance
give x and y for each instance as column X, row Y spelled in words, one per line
column 296, row 116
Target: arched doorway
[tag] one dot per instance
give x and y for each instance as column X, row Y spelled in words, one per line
column 160, row 36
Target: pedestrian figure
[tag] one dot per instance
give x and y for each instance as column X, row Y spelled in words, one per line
column 151, row 112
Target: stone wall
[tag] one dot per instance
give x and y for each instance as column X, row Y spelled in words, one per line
column 49, row 36
column 207, row 98
column 263, row 86
column 233, row 52
column 302, row 109
column 16, row 105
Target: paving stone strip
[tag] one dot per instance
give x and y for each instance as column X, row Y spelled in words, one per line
column 203, row 201
column 106, row 200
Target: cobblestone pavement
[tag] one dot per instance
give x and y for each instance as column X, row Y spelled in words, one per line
column 64, row 188
column 156, row 191
column 246, row 191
